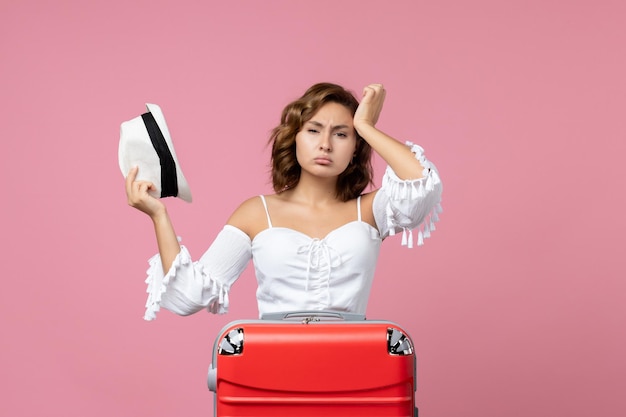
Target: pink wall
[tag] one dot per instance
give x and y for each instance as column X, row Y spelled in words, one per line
column 516, row 304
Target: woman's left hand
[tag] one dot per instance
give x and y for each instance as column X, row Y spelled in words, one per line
column 370, row 107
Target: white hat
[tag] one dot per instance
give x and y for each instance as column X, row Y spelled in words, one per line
column 145, row 141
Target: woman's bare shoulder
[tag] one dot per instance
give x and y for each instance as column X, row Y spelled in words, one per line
column 367, row 207
column 249, row 217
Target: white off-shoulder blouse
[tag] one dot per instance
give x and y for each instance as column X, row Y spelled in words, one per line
column 293, row 270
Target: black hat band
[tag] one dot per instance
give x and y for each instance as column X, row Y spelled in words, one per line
column 169, row 179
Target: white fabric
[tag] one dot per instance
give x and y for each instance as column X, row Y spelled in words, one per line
column 403, row 205
column 293, row 270
column 191, row 286
column 297, row 272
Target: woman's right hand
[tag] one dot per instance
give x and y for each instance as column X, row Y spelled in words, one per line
column 138, row 196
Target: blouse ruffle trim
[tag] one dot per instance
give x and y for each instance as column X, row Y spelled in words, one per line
column 398, row 190
column 158, row 285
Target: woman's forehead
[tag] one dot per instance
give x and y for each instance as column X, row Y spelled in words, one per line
column 332, row 113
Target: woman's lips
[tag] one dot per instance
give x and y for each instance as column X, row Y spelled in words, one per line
column 322, row 160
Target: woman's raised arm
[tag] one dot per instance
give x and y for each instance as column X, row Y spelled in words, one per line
column 397, row 155
column 139, row 198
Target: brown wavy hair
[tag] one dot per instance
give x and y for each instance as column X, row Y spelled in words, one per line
column 284, row 165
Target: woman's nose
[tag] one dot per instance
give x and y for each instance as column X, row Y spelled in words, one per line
column 325, row 143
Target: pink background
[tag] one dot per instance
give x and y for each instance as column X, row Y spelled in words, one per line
column 516, row 304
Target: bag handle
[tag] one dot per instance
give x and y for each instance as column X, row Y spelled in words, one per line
column 308, row 316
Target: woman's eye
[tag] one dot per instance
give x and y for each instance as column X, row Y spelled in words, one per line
column 312, row 131
column 342, row 135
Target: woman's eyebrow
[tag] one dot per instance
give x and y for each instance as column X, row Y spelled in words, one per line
column 338, row 127
column 313, row 122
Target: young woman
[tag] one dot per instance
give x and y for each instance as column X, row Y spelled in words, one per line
column 315, row 242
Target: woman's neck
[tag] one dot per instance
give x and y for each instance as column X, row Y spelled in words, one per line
column 314, row 190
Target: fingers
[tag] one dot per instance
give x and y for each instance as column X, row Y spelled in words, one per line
column 136, row 190
column 130, row 178
column 371, row 104
column 375, row 87
column 373, row 90
column 133, row 172
column 374, row 94
column 132, row 186
column 138, row 194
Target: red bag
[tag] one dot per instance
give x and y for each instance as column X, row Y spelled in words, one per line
column 313, row 364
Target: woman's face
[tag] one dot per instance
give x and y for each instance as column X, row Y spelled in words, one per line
column 326, row 143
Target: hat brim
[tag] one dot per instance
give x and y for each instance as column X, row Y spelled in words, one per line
column 136, row 149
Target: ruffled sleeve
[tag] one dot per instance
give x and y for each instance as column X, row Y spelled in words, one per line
column 188, row 286
column 406, row 205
